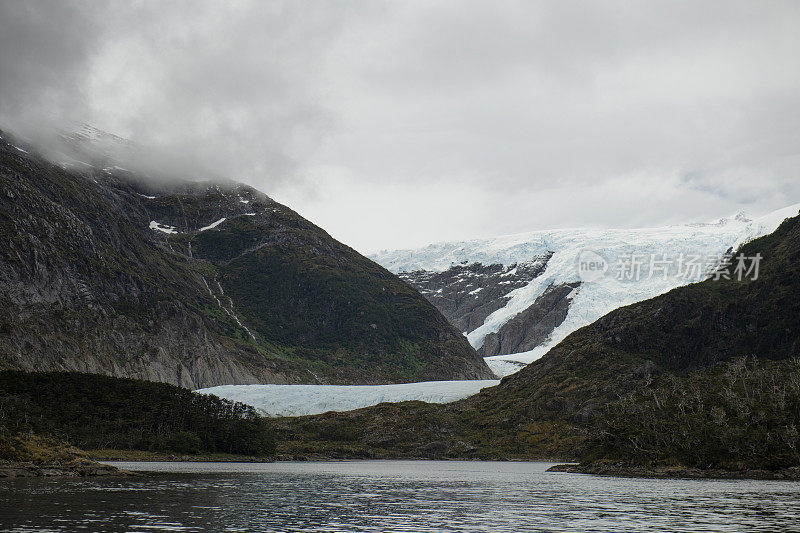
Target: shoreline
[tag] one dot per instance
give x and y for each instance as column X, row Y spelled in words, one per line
column 146, row 456
column 72, row 469
column 676, row 472
column 154, row 457
column 93, row 466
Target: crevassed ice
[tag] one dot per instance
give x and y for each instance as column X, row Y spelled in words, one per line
column 299, row 400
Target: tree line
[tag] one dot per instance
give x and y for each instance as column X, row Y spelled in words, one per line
column 92, row 411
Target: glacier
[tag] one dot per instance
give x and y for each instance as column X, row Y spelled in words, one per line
column 594, row 297
column 300, row 400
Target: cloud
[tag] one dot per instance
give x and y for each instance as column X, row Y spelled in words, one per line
column 434, row 120
column 43, row 61
column 232, row 85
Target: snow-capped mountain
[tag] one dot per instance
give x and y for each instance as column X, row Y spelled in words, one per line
column 517, row 296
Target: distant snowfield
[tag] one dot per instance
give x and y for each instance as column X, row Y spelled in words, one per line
column 596, row 297
column 299, row 400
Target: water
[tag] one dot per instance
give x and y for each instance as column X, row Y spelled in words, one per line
column 399, row 496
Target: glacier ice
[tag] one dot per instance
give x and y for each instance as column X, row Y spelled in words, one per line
column 591, row 300
column 299, row 400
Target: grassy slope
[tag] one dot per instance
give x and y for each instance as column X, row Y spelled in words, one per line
column 35, row 449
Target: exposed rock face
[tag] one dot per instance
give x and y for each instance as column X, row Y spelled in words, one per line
column 198, row 284
column 467, row 294
column 533, row 326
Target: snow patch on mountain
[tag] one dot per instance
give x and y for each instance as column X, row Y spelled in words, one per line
column 213, row 224
column 157, row 226
column 300, row 400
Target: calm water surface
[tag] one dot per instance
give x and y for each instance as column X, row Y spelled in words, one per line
column 391, row 496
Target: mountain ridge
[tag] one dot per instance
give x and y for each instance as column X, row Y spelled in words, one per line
column 108, row 271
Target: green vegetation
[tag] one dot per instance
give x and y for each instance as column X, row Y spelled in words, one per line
column 741, row 414
column 36, row 449
column 329, row 308
column 420, row 430
column 92, row 411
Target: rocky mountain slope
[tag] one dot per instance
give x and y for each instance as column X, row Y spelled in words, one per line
column 197, row 284
column 516, row 297
column 659, row 358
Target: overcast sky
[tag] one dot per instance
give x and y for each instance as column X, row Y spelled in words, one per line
column 398, row 124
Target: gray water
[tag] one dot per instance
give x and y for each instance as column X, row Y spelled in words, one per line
column 391, row 496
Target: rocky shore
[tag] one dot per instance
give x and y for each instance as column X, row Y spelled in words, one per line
column 30, row 455
column 674, row 472
column 76, row 468
column 147, row 456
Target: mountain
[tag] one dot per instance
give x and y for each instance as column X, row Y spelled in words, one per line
column 706, row 374
column 197, row 283
column 516, row 297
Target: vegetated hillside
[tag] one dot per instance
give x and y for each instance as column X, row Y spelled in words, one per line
column 198, row 284
column 673, row 347
column 32, row 448
column 735, row 415
column 98, row 412
column 30, row 455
